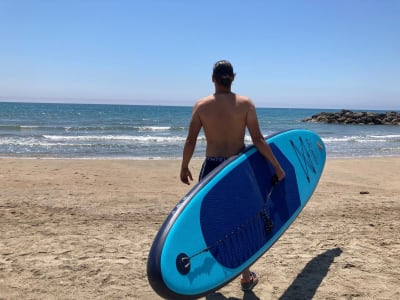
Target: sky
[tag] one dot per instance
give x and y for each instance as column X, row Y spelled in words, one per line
column 298, row 53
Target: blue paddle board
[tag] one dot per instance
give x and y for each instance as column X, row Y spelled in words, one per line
column 233, row 216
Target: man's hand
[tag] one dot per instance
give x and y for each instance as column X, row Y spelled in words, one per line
column 280, row 173
column 186, row 175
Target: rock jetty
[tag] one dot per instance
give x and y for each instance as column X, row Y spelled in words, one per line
column 349, row 117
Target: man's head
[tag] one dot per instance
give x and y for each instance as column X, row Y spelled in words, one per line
column 223, row 73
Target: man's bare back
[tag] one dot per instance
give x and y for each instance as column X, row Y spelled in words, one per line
column 223, row 117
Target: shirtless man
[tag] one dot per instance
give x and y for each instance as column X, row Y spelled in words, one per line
column 224, row 117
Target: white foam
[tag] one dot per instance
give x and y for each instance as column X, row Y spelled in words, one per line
column 154, row 128
column 94, row 138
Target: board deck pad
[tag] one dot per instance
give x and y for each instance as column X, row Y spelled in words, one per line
column 246, row 228
column 227, row 221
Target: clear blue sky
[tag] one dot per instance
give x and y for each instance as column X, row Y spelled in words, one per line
column 320, row 54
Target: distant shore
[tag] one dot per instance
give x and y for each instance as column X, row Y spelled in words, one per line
column 82, row 229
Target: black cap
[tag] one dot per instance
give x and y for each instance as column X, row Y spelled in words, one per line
column 223, row 69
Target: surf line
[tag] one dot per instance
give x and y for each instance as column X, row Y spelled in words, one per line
column 183, row 260
column 305, row 160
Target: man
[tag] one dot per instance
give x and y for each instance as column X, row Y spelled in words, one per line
column 224, row 117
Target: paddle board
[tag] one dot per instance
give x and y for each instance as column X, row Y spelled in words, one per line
column 233, row 216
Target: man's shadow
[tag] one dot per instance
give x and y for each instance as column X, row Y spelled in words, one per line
column 306, row 283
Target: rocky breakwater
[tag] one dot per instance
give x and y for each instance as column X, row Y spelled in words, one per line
column 349, row 117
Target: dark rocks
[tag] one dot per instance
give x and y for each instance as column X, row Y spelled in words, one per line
column 349, row 117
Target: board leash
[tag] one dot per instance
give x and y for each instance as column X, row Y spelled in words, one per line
column 267, row 220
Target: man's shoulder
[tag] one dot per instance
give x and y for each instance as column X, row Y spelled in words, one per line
column 244, row 102
column 243, row 98
column 205, row 101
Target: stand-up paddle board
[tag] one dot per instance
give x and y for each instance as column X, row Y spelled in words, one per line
column 235, row 214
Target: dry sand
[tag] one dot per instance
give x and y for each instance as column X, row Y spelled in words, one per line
column 82, row 229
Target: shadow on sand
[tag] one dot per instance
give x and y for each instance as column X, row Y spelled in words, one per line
column 306, row 283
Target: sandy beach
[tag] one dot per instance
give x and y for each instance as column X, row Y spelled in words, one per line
column 82, row 229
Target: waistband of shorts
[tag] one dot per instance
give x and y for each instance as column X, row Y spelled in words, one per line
column 215, row 159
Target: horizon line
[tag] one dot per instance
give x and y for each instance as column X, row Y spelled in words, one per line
column 132, row 102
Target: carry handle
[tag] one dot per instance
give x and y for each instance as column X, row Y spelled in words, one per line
column 274, row 180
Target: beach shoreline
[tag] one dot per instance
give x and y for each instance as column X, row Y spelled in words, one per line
column 82, row 229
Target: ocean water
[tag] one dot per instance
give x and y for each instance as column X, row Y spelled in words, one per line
column 153, row 132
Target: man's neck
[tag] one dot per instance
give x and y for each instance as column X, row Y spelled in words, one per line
column 222, row 90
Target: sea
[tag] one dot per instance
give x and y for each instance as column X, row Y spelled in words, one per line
column 105, row 131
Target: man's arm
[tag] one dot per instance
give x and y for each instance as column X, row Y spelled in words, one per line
column 190, row 144
column 260, row 143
